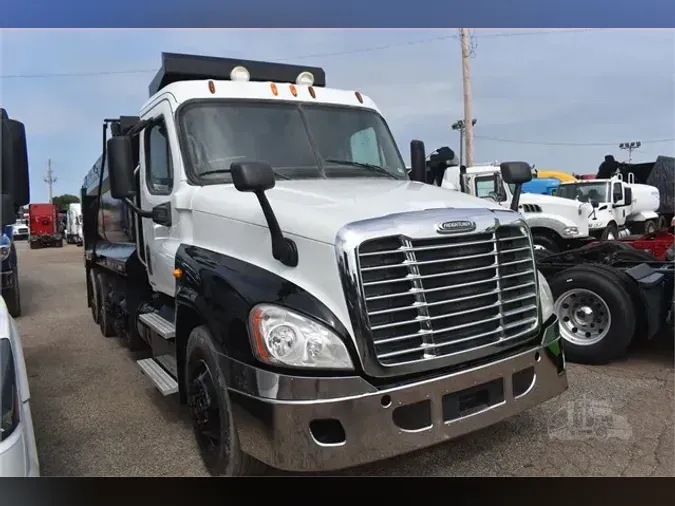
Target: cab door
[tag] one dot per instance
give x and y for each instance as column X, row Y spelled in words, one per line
column 158, row 162
column 619, row 203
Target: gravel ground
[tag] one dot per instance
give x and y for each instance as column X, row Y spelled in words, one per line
column 95, row 414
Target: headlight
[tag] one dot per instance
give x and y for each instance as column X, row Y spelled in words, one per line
column 570, row 231
column 9, row 395
column 282, row 337
column 545, row 297
column 5, row 247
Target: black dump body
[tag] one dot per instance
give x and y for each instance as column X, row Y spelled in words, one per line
column 660, row 174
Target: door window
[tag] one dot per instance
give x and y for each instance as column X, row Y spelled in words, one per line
column 159, row 169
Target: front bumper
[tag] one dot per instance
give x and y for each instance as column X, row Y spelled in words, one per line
column 358, row 427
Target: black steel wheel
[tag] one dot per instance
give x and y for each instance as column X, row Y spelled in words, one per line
column 211, row 410
column 105, row 320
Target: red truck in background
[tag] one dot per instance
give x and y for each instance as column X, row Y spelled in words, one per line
column 44, row 226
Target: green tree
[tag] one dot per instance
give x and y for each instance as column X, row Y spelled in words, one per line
column 63, row 201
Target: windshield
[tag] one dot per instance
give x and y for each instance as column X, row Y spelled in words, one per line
column 584, row 192
column 297, row 141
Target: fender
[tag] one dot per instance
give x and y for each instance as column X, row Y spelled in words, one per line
column 555, row 223
column 642, row 216
column 222, row 290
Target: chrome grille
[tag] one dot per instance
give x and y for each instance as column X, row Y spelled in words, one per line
column 434, row 297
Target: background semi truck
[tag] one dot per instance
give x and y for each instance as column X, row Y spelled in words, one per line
column 257, row 235
column 73, row 231
column 44, row 226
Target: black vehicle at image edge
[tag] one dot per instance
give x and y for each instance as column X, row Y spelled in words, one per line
column 316, row 306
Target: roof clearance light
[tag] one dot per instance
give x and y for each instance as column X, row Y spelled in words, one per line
column 239, row 73
column 305, row 79
column 358, row 96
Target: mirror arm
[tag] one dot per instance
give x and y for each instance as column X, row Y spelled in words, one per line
column 137, row 210
column 283, row 248
column 516, row 197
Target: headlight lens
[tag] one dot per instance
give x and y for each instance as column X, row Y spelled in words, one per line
column 282, row 337
column 545, row 297
column 5, row 247
column 570, row 231
column 9, row 395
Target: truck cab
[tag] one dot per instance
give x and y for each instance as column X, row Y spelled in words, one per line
column 556, row 224
column 620, row 207
column 315, row 305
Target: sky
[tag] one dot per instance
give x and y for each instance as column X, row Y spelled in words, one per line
column 557, row 99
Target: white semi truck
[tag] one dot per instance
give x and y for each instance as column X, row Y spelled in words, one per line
column 74, row 224
column 556, row 224
column 316, row 306
column 619, row 207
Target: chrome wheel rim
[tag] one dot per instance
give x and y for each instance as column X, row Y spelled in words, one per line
column 610, row 236
column 583, row 316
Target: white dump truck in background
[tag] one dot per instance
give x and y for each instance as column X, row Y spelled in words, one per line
column 620, row 208
column 557, row 224
column 74, row 224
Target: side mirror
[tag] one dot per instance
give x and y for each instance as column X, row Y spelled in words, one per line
column 252, row 176
column 14, row 162
column 257, row 177
column 595, row 204
column 516, row 172
column 120, row 166
column 418, row 161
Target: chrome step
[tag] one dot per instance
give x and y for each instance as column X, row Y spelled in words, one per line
column 163, row 327
column 161, row 379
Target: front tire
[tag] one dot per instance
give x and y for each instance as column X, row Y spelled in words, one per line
column 545, row 243
column 610, row 233
column 95, row 296
column 595, row 312
column 13, row 297
column 650, row 227
column 211, row 410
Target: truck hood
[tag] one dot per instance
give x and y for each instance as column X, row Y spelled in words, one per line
column 557, row 205
column 318, row 208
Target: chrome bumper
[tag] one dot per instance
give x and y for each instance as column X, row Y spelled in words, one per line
column 377, row 424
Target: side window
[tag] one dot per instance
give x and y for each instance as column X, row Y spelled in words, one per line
column 159, row 169
column 484, row 186
column 617, row 192
column 365, row 148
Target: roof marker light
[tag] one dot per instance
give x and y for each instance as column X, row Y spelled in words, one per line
column 212, row 87
column 305, row 79
column 358, row 96
column 294, row 91
column 240, row 73
column 274, row 89
column 312, row 92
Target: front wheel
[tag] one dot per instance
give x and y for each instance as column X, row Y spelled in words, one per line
column 13, row 297
column 211, row 410
column 105, row 320
column 545, row 244
column 610, row 233
column 595, row 312
column 650, row 227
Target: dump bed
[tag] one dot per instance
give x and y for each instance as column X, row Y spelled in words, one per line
column 660, row 174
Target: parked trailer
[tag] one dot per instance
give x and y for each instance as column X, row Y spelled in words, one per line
column 74, row 224
column 44, row 226
column 318, row 310
column 607, row 295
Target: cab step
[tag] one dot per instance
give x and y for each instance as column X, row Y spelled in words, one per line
column 162, row 326
column 165, row 383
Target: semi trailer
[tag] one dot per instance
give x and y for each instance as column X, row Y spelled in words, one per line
column 44, row 226
column 73, row 231
column 256, row 236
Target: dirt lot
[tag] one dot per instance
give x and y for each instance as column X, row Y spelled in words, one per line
column 96, row 415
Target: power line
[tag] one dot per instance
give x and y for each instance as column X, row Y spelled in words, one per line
column 575, row 144
column 306, row 56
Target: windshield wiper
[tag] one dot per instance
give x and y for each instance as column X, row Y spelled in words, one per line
column 227, row 171
column 374, row 168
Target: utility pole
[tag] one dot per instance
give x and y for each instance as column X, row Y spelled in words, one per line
column 459, row 126
column 466, row 77
column 50, row 179
column 630, row 147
